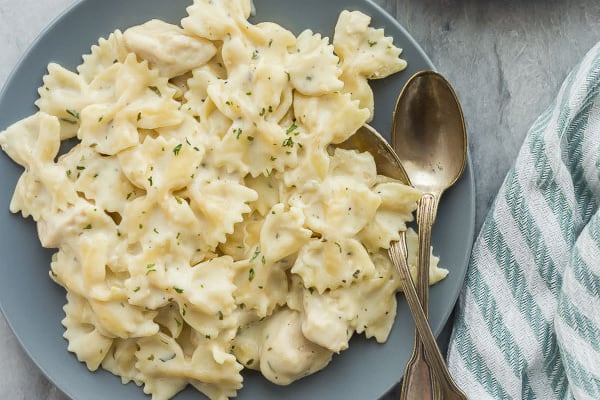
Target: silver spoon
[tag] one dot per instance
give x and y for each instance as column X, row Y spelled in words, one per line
column 429, row 137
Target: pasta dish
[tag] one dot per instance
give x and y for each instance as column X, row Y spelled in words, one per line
column 203, row 222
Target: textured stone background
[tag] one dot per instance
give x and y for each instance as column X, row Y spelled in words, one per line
column 505, row 58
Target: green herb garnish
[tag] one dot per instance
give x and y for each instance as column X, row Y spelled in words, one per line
column 288, row 142
column 256, row 253
column 73, row 113
column 155, row 90
column 292, row 127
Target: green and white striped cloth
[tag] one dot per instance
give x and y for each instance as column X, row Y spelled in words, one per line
column 528, row 320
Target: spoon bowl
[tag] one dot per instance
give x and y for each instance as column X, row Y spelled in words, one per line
column 429, row 134
column 386, row 160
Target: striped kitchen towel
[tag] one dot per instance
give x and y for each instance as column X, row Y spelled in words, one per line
column 528, row 320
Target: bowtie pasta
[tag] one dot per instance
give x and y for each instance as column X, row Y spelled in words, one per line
column 203, row 221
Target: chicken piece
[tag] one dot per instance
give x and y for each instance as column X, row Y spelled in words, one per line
column 168, row 48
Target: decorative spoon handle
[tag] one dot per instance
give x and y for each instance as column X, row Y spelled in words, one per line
column 426, row 212
column 417, row 383
column 446, row 388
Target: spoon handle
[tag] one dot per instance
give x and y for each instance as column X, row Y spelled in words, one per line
column 441, row 385
column 426, row 211
column 446, row 388
column 418, row 381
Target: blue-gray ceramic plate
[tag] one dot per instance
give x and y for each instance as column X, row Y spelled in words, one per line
column 32, row 303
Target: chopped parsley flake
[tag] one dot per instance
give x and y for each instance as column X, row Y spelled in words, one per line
column 256, row 253
column 178, row 290
column 177, row 149
column 292, row 128
column 73, row 113
column 251, row 274
column 88, row 226
column 288, row 142
column 155, row 90
column 339, row 246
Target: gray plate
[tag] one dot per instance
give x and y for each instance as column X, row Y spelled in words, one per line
column 32, row 303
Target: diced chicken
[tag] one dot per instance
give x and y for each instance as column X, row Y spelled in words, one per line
column 168, row 48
